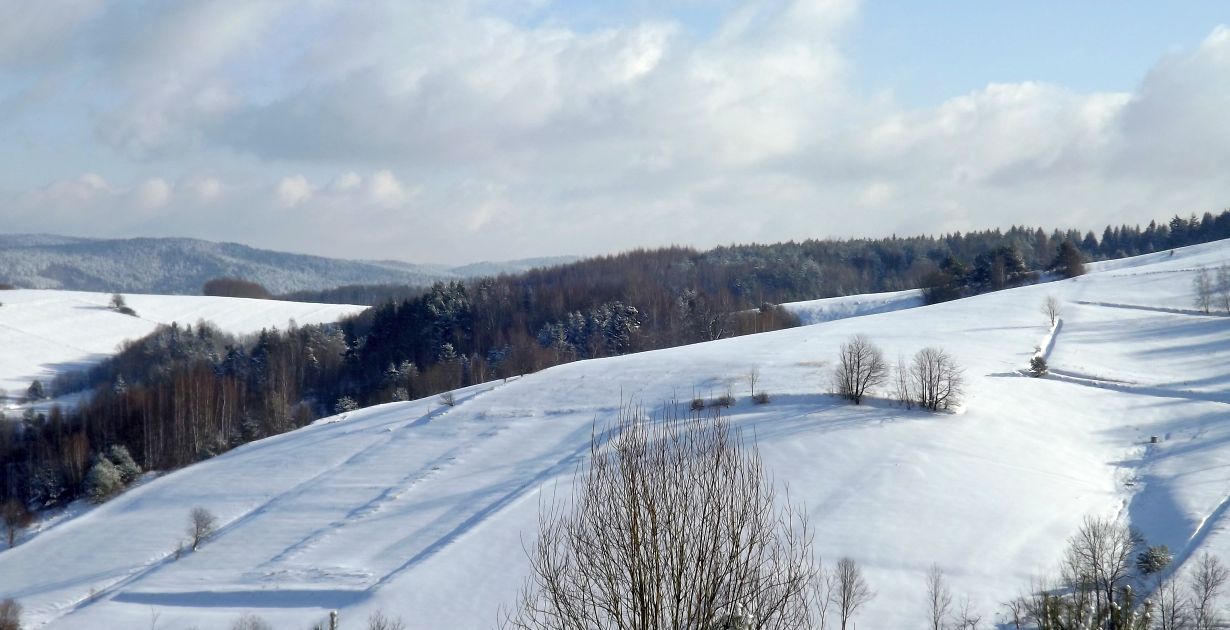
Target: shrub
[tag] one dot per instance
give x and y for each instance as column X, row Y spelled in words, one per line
column 761, row 398
column 698, row 404
column 448, row 399
column 102, row 481
column 1153, row 560
column 1037, row 366
column 345, row 404
column 724, row 401
column 124, row 464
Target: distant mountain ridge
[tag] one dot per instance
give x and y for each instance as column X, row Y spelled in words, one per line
column 179, row 266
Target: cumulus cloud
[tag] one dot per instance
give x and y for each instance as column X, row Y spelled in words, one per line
column 152, row 194
column 293, row 190
column 506, row 136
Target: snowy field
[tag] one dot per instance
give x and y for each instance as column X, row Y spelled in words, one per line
column 421, row 510
column 44, row 333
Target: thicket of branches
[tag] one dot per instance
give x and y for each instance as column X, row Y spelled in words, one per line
column 673, row 524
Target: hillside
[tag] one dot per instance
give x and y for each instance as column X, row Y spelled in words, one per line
column 422, row 510
column 181, row 265
column 44, row 333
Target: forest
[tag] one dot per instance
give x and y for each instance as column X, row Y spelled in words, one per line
column 187, row 393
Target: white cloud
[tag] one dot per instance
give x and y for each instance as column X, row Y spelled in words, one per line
column 201, row 189
column 293, row 190
column 519, row 138
column 153, row 193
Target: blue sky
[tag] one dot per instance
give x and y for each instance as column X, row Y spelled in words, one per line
column 468, row 130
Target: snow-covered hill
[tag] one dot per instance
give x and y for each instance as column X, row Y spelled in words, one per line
column 421, row 510
column 44, row 333
column 182, row 265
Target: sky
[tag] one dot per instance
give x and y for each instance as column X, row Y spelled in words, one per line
column 452, row 132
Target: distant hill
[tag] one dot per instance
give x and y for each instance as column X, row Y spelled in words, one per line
column 181, row 265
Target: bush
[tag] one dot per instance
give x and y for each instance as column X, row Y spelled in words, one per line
column 724, row 401
column 698, row 404
column 448, row 399
column 345, row 404
column 1153, row 560
column 761, row 398
column 102, row 481
column 1037, row 366
column 124, row 464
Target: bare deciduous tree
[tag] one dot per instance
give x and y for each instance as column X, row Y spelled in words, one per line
column 860, row 367
column 10, row 614
column 1206, row 580
column 850, row 590
column 939, row 598
column 1202, row 285
column 672, row 524
column 1171, row 608
column 248, row 621
column 753, row 377
column 1052, row 309
column 15, row 517
column 936, row 379
column 967, row 617
column 1223, row 287
column 901, row 384
column 201, row 525
column 1101, row 555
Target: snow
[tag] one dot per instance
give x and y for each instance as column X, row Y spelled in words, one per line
column 44, row 333
column 829, row 309
column 424, row 510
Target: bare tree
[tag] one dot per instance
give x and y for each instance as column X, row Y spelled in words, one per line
column 753, row 377
column 1223, row 287
column 939, row 598
column 1018, row 612
column 1202, row 285
column 201, row 525
column 1101, row 556
column 967, row 617
column 248, row 621
column 672, row 524
column 860, row 367
column 936, row 379
column 850, row 590
column 1205, row 583
column 1052, row 309
column 10, row 614
column 16, row 518
column 901, row 384
column 378, row 621
column 1172, row 611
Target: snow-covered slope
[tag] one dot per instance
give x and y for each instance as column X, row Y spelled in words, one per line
column 43, row 333
column 421, row 510
column 829, row 309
